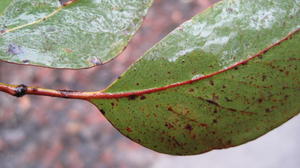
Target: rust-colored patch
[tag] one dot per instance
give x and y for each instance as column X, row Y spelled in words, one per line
column 169, row 125
column 202, row 125
column 191, row 90
column 128, row 129
column 68, row 50
column 188, row 127
column 170, row 109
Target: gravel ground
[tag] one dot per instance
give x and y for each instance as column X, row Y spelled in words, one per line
column 43, row 132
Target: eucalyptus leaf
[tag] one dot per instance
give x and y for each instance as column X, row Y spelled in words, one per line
column 82, row 34
column 226, row 77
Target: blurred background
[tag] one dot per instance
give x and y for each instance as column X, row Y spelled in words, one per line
column 44, row 132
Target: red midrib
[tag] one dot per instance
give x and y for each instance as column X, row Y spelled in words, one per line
column 11, row 89
column 147, row 91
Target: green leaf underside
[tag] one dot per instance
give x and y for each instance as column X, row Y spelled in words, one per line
column 3, row 5
column 81, row 35
column 225, row 110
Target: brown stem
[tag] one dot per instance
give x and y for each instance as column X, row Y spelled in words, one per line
column 21, row 90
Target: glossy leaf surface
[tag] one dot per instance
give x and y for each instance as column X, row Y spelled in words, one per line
column 224, row 78
column 83, row 34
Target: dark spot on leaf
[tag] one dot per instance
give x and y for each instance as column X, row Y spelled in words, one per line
column 143, row 97
column 112, row 104
column 20, row 90
column 212, row 102
column 188, row 127
column 286, row 97
column 169, row 125
column 170, row 109
column 230, row 10
column 211, row 83
column 236, row 68
column 203, row 125
column 128, row 129
column 25, row 61
column 215, row 121
column 14, row 49
column 191, row 90
column 132, row 97
column 264, row 77
column 267, row 110
column 228, row 100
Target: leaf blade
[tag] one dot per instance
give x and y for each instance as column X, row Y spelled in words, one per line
column 224, row 110
column 83, row 34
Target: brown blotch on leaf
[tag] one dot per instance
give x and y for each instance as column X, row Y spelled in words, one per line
column 68, row 50
column 170, row 109
column 132, row 97
column 25, row 61
column 188, row 127
column 212, row 102
column 14, row 49
column 128, row 129
column 264, row 77
column 169, row 125
column 211, row 83
column 202, row 125
column 228, row 100
column 191, row 90
column 267, row 110
column 143, row 97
